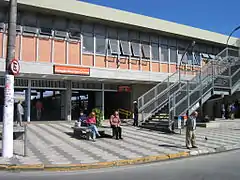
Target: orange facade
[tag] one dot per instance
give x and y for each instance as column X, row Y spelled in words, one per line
column 44, row 50
column 60, row 51
column 1, row 45
column 29, row 48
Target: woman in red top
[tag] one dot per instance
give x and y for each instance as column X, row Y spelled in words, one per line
column 115, row 123
column 91, row 122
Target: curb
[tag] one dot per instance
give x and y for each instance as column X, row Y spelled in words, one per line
column 118, row 163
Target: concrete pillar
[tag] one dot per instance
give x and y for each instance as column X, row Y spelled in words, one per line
column 103, row 92
column 62, row 111
column 41, row 95
column 98, row 100
column 68, row 102
column 28, row 102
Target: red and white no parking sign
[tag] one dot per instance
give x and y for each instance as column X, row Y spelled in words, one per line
column 14, row 67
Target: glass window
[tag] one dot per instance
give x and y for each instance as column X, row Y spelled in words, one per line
column 202, row 48
column 190, row 57
column 173, row 54
column 210, row 50
column 125, row 48
column 182, row 59
column 216, row 51
column 2, row 16
column 100, row 45
column 29, row 20
column 112, row 33
column 182, row 44
column 197, row 59
column 164, row 40
column 155, row 52
column 146, row 51
column 74, row 34
column 99, row 30
column 172, row 42
column 45, row 23
column 154, row 39
column 144, row 37
column 60, row 24
column 164, row 53
column 88, row 43
column 133, row 35
column 87, row 28
column 74, row 25
column 113, row 45
column 135, row 49
column 123, row 35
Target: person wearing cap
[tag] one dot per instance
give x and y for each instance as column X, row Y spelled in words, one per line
column 135, row 113
column 191, row 130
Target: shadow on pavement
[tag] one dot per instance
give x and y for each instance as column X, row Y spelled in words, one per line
column 171, row 145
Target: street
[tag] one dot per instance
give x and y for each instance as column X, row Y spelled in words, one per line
column 221, row 166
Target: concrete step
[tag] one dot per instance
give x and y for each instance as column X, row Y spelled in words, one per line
column 156, row 128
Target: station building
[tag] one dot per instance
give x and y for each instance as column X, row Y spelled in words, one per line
column 88, row 56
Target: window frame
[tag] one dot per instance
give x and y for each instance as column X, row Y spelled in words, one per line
column 167, row 50
column 29, row 28
column 89, row 35
column 111, row 44
column 122, row 44
column 45, row 29
column 134, row 49
column 146, row 47
column 176, row 52
column 156, row 45
column 105, row 44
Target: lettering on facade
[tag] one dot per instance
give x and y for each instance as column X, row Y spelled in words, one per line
column 71, row 70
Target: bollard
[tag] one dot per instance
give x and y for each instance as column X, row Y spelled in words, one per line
column 25, row 140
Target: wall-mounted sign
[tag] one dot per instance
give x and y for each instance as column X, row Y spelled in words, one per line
column 58, row 69
column 124, row 89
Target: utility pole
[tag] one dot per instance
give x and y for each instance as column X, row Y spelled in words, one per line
column 7, row 135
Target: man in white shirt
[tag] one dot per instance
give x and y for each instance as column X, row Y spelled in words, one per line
column 190, row 130
column 20, row 112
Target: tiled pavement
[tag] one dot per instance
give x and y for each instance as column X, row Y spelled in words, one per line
column 52, row 143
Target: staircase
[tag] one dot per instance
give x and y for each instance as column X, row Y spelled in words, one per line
column 182, row 93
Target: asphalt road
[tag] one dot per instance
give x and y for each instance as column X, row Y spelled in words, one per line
column 222, row 166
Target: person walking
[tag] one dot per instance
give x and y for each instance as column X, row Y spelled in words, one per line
column 135, row 113
column 39, row 108
column 20, row 113
column 191, row 130
column 115, row 123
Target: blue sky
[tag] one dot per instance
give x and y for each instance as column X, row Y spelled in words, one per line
column 215, row 15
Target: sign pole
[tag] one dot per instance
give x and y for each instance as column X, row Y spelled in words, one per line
column 7, row 136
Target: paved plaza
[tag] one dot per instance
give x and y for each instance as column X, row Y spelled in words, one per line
column 52, row 143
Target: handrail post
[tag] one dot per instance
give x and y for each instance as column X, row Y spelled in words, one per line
column 188, row 92
column 25, row 140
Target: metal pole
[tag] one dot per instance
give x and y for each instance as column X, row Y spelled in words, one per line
column 230, row 35
column 7, row 142
column 25, row 140
column 103, row 97
column 180, row 62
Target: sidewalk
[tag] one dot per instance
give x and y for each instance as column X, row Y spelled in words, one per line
column 52, row 144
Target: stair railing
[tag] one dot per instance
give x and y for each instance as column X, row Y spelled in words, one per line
column 208, row 77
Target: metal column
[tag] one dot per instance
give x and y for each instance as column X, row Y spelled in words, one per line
column 103, row 91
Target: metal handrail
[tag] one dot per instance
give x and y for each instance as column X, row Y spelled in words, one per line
column 200, row 87
column 155, row 87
